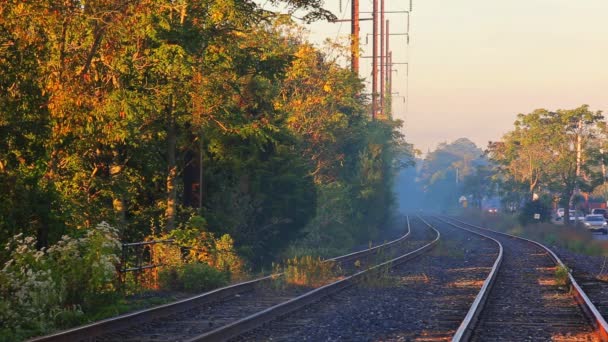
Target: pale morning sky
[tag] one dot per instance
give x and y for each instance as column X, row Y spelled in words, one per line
column 476, row 64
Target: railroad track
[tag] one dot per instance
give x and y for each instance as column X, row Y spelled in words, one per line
column 596, row 289
column 425, row 299
column 523, row 301
column 225, row 312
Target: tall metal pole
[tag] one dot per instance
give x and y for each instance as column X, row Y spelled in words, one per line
column 354, row 31
column 389, row 72
column 382, row 56
column 200, row 176
column 375, row 59
column 387, row 66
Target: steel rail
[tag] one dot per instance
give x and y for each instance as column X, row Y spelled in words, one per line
column 90, row 331
column 576, row 291
column 464, row 331
column 251, row 322
column 365, row 252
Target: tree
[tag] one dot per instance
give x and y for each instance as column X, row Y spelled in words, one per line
column 555, row 152
column 444, row 170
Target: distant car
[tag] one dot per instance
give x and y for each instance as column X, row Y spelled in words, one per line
column 492, row 210
column 596, row 223
column 600, row 211
column 560, row 212
column 576, row 215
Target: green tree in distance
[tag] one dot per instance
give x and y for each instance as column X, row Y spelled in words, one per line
column 555, row 152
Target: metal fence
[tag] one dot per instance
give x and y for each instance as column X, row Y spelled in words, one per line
column 137, row 256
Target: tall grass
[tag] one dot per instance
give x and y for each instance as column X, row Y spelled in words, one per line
column 574, row 238
column 307, row 271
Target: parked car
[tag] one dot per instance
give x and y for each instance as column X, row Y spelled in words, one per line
column 596, row 223
column 600, row 211
column 574, row 216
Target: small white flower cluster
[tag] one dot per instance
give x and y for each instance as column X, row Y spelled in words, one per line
column 27, row 285
column 35, row 284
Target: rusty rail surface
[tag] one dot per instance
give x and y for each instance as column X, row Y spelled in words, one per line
column 90, row 331
column 576, row 291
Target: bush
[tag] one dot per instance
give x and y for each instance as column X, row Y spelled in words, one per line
column 30, row 296
column 201, row 246
column 310, row 271
column 169, row 279
column 86, row 267
column 534, row 207
column 193, row 277
column 198, row 277
column 41, row 290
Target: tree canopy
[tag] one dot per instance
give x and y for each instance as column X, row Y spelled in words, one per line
column 146, row 113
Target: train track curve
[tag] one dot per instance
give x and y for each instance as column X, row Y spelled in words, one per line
column 524, row 303
column 425, row 299
column 254, row 299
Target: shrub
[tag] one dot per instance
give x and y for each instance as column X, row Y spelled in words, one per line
column 198, row 277
column 86, row 266
column 309, row 271
column 169, row 279
column 41, row 290
column 29, row 293
column 534, row 207
column 193, row 277
column 195, row 245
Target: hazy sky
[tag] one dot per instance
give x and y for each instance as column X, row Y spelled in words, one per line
column 476, row 64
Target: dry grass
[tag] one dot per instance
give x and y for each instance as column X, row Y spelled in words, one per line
column 574, row 238
column 310, row 271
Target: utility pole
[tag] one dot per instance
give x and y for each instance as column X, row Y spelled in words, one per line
column 578, row 148
column 389, row 75
column 387, row 66
column 354, row 31
column 382, row 56
column 200, row 176
column 375, row 59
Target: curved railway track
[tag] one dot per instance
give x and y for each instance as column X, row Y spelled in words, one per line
column 225, row 312
column 425, row 299
column 523, row 302
column 596, row 289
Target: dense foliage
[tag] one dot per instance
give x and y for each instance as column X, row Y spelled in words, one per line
column 452, row 171
column 549, row 159
column 555, row 156
column 210, row 122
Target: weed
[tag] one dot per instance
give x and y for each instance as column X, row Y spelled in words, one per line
column 425, row 278
column 378, row 278
column 448, row 249
column 561, row 275
column 277, row 279
column 304, row 271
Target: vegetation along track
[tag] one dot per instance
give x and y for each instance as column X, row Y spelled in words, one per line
column 528, row 301
column 223, row 307
column 425, row 299
column 595, row 288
